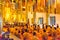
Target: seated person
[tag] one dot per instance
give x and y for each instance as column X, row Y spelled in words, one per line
column 34, row 36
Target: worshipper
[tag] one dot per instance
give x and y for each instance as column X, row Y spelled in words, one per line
column 43, row 26
column 54, row 33
column 22, row 30
column 3, row 38
column 25, row 35
column 34, row 27
column 34, row 32
column 50, row 37
column 0, row 37
column 18, row 33
column 39, row 35
column 21, row 35
column 11, row 39
column 7, row 37
column 44, row 36
column 34, row 36
column 48, row 30
column 38, row 28
column 57, row 26
column 57, row 34
column 58, row 38
column 30, row 28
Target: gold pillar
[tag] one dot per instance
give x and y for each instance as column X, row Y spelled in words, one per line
column 47, row 15
column 34, row 12
column 26, row 12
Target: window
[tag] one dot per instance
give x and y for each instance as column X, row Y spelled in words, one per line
column 52, row 20
column 40, row 20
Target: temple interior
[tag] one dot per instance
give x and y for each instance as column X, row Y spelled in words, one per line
column 29, row 19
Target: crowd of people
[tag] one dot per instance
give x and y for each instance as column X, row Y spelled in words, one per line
column 5, row 37
column 35, row 32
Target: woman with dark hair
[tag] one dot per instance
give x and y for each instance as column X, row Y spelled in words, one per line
column 34, row 36
column 26, row 35
column 57, row 26
column 50, row 37
column 44, row 36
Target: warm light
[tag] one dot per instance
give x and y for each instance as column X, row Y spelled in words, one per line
column 7, row 16
column 19, row 18
column 58, row 1
column 23, row 7
column 7, row 13
column 14, row 17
